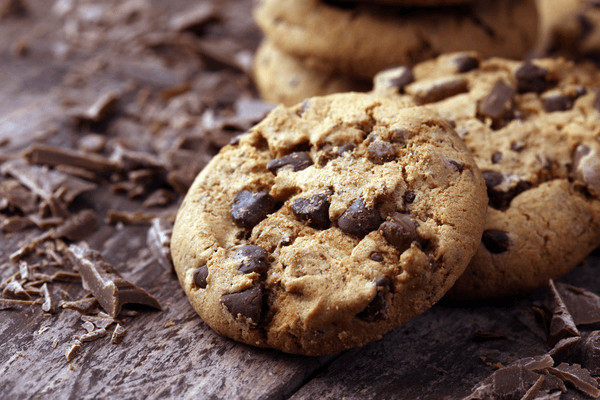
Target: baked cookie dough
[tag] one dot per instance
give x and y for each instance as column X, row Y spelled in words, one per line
column 408, row 3
column 534, row 129
column 280, row 78
column 361, row 40
column 329, row 224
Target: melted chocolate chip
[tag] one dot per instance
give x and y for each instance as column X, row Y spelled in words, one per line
column 495, row 241
column 500, row 198
column 400, row 231
column 492, row 178
column 465, row 63
column 456, row 165
column 498, row 101
column 247, row 303
column 345, row 148
column 314, row 210
column 200, row 275
column 559, row 102
column 252, row 259
column 377, row 308
column 518, row 146
column 249, row 208
column 358, row 220
column 496, row 157
column 409, row 197
column 531, row 78
column 296, row 161
column 380, row 152
column 376, row 256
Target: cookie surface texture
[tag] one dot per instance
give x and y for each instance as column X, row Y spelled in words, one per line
column 361, row 40
column 329, row 224
column 280, row 78
column 534, row 129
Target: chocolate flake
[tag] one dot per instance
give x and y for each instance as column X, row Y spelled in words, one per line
column 377, row 308
column 531, row 78
column 591, row 353
column 91, row 336
column 314, row 210
column 561, row 325
column 158, row 240
column 100, row 109
column 55, row 156
column 536, row 363
column 73, row 349
column 583, row 305
column 511, row 382
column 77, row 226
column 495, row 241
column 83, row 306
column 247, row 303
column 7, row 304
column 296, row 161
column 249, row 208
column 563, row 345
column 252, row 259
column 199, row 276
column 108, row 287
column 118, row 334
column 578, row 377
column 400, row 231
column 15, row 290
column 358, row 220
column 88, row 326
column 48, row 305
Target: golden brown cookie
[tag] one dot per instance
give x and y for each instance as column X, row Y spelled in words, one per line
column 329, row 224
column 534, row 129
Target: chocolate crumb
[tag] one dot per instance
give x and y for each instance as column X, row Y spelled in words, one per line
column 91, row 336
column 73, row 349
column 48, row 305
column 118, row 334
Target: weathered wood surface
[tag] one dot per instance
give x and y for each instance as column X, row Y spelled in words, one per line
column 172, row 353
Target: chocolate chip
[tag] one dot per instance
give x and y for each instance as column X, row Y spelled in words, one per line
column 377, row 308
column 495, row 241
column 597, row 101
column 296, row 161
column 496, row 157
column 200, row 275
column 558, row 102
column 358, row 220
column 456, row 165
column 252, row 258
column 400, row 231
column 586, row 169
column 531, row 78
column 376, row 256
column 314, row 210
column 438, row 89
column 249, row 208
column 247, row 303
column 409, row 197
column 380, row 152
column 465, row 63
column 397, row 78
column 345, row 148
column 500, row 192
column 498, row 101
column 492, row 178
column 518, row 146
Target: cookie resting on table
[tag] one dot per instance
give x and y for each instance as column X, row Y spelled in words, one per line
column 360, row 40
column 534, row 130
column 329, row 224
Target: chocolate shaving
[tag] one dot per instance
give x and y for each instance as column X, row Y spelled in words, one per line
column 108, row 287
column 14, row 290
column 48, row 305
column 100, row 109
column 578, row 377
column 583, row 305
column 102, row 320
column 591, row 352
column 193, row 19
column 91, row 336
column 118, row 334
column 55, row 156
column 88, row 326
column 73, row 349
column 511, row 382
column 133, row 218
column 77, row 226
column 536, row 363
column 159, row 242
column 563, row 345
column 7, row 304
column 16, row 224
column 83, row 306
column 30, row 246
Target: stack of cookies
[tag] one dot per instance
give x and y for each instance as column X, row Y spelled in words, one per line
column 337, row 219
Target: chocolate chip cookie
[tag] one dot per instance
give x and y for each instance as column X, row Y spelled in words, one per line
column 534, row 129
column 360, row 40
column 280, row 78
column 408, row 3
column 329, row 224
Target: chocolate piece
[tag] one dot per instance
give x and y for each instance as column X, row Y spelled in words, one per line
column 457, row 166
column 314, row 210
column 438, row 89
column 495, row 241
column 159, row 198
column 199, row 277
column 502, row 189
column 83, row 306
column 73, row 349
column 591, row 353
column 100, row 109
column 102, row 320
column 379, row 152
column 118, row 334
column 14, row 290
column 583, row 305
column 578, row 377
column 249, row 208
column 496, row 157
column 296, row 161
column 511, row 382
column 77, row 226
column 88, row 326
column 8, row 304
column 377, row 308
column 54, row 156
column 558, row 102
column 344, row 148
column 358, row 220
column 91, row 336
column 518, row 146
column 531, row 78
column 498, row 101
column 247, row 303
column 586, row 168
column 562, row 324
column 400, row 231
column 134, row 218
column 396, row 78
column 376, row 256
column 48, row 305
column 564, row 345
column 158, row 240
column 17, row 196
column 409, row 197
column 30, row 246
column 108, row 287
column 492, row 178
column 252, row 258
column 16, row 224
column 193, row 19
column 465, row 63
column 536, row 363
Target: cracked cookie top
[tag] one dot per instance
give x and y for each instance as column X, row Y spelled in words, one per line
column 328, row 224
column 534, row 130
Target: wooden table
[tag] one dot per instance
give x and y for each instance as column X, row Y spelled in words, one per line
column 172, row 353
